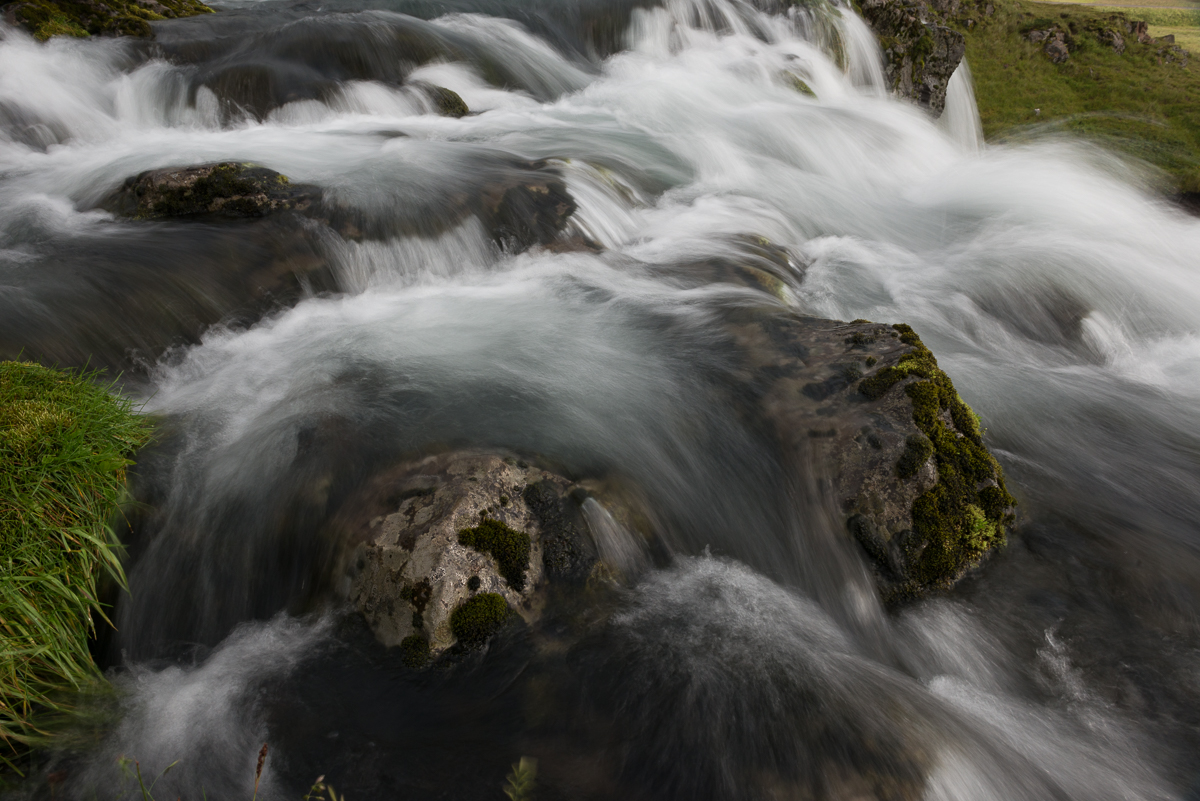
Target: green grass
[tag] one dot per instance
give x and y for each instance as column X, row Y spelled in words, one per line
column 1129, row 103
column 65, row 443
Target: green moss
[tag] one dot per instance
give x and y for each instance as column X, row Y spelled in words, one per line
column 509, row 547
column 962, row 516
column 47, row 18
column 479, row 618
column 58, row 25
column 919, row 362
column 917, row 451
column 64, row 447
column 414, row 651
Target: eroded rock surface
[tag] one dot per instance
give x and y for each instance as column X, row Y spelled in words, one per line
column 415, row 559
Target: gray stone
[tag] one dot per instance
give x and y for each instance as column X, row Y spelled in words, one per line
column 405, row 569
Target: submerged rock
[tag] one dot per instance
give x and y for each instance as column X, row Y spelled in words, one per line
column 919, row 54
column 225, row 189
column 443, row 550
column 46, row 18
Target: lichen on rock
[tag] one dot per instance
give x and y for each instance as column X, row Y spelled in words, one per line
column 424, row 539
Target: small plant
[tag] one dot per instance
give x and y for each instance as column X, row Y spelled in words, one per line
column 522, row 780
column 322, row 791
column 414, row 651
column 136, row 773
column 262, row 757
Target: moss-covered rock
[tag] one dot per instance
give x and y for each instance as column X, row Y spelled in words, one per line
column 46, row 18
column 864, row 408
column 964, row 515
column 226, row 189
column 448, row 102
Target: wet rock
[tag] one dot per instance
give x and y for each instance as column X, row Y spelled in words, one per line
column 226, row 189
column 126, row 293
column 447, row 102
column 428, row 538
column 920, row 54
column 866, row 406
column 81, row 18
column 529, row 211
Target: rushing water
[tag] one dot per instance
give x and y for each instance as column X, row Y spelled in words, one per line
column 1055, row 287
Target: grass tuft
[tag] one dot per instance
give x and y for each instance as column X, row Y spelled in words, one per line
column 65, row 442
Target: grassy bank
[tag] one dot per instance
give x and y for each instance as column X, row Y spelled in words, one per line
column 64, row 445
column 1143, row 102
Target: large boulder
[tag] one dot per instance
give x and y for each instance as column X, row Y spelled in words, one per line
column 920, row 54
column 46, row 18
column 442, row 550
column 866, row 406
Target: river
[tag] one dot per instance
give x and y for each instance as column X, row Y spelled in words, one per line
column 1056, row 286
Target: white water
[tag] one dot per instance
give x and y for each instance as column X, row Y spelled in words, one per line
column 691, row 139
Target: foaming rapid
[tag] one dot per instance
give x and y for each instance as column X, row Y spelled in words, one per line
column 1054, row 285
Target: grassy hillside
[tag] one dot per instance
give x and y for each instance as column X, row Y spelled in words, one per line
column 1143, row 102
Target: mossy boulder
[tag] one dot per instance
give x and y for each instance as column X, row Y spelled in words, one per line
column 868, row 408
column 46, row 18
column 447, row 102
column 225, row 189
